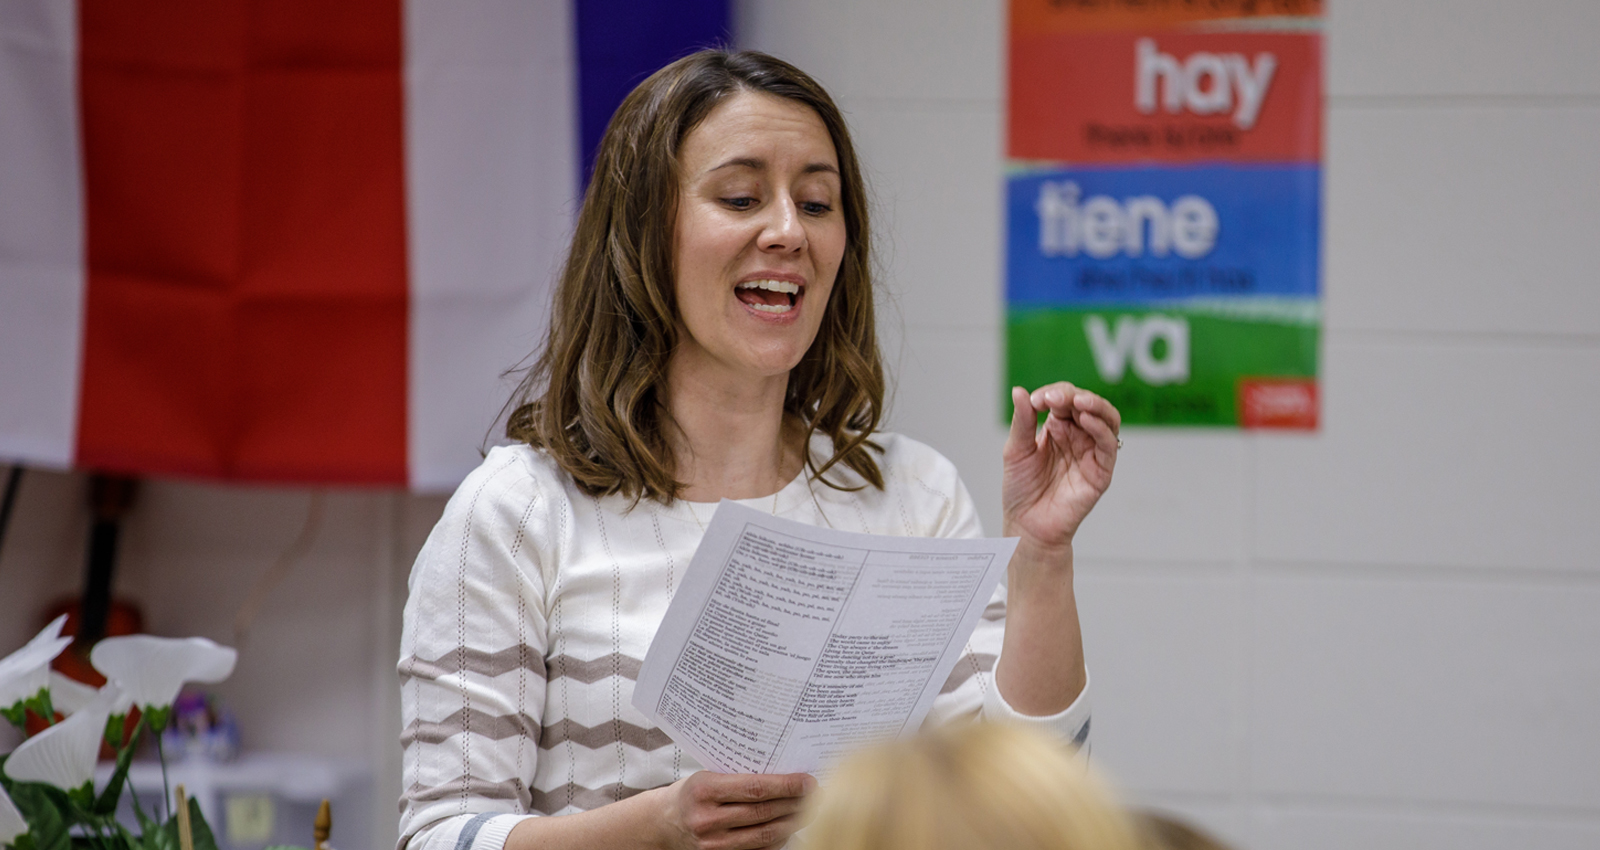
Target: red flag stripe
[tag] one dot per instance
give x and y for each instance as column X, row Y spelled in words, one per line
column 246, row 237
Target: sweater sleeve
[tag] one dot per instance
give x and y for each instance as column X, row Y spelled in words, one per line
column 472, row 664
column 970, row 692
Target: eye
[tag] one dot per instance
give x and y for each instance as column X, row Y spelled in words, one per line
column 816, row 208
column 740, row 203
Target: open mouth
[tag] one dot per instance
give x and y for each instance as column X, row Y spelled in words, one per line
column 769, row 296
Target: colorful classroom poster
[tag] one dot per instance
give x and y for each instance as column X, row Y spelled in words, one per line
column 1163, row 206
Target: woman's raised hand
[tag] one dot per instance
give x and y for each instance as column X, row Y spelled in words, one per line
column 1055, row 473
column 735, row 811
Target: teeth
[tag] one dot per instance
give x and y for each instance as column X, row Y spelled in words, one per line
column 772, row 308
column 773, row 285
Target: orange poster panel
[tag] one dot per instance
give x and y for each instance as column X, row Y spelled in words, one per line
column 1167, row 96
column 1036, row 17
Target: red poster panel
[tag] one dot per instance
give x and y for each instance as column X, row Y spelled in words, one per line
column 1170, row 96
column 246, row 305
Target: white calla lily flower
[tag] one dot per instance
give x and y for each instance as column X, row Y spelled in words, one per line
column 68, row 695
column 153, row 669
column 11, row 822
column 64, row 755
column 24, row 672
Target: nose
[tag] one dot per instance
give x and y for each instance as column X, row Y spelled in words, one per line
column 783, row 230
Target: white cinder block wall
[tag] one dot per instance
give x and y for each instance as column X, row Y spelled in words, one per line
column 1385, row 635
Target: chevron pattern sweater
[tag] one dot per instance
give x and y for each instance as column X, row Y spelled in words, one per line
column 532, row 605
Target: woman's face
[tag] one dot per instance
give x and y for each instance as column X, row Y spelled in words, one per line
column 758, row 238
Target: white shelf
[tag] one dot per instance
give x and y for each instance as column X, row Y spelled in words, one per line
column 295, row 782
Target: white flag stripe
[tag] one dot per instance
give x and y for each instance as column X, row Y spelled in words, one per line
column 491, row 180
column 41, row 231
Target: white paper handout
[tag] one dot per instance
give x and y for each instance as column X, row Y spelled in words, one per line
column 788, row 644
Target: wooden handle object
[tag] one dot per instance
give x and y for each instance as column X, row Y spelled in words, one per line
column 185, row 829
column 319, row 828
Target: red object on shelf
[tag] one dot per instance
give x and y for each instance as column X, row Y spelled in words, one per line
column 123, row 618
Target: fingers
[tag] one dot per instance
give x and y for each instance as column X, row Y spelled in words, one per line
column 738, row 811
column 1056, row 397
column 755, row 787
column 770, row 834
column 1079, row 421
column 1066, row 401
column 1088, row 402
column 1023, row 416
column 735, row 815
column 1105, row 439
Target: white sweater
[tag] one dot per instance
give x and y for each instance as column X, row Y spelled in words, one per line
column 532, row 605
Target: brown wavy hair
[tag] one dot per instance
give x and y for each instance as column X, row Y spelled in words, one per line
column 594, row 398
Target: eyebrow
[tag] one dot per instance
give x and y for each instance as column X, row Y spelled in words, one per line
column 759, row 164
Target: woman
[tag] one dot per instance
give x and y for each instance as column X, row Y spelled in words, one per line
column 989, row 786
column 712, row 337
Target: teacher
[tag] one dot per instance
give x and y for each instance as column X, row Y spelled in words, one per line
column 712, row 337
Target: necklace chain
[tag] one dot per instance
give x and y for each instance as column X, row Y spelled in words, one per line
column 781, row 486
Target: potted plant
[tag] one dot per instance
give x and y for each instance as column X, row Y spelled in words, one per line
column 47, row 796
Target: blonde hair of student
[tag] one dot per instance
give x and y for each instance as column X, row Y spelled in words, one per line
column 981, row 786
column 1162, row 831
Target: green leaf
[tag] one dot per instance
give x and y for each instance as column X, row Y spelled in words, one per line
column 199, row 829
column 17, row 713
column 114, row 726
column 147, row 827
column 107, row 804
column 41, row 705
column 129, row 841
column 149, row 836
column 43, row 814
column 54, row 797
column 80, row 803
column 26, row 795
column 156, row 717
column 23, row 842
column 43, row 804
column 164, row 837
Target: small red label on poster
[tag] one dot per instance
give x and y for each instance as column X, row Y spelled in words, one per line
column 1166, row 96
column 1278, row 403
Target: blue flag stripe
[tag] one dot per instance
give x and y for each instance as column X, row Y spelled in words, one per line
column 621, row 42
